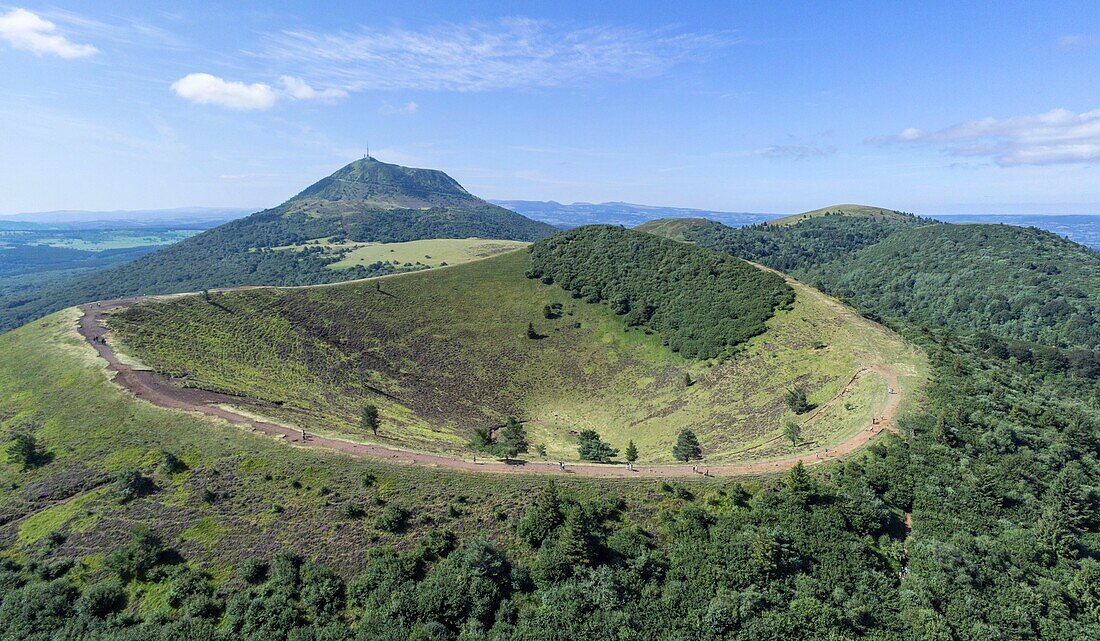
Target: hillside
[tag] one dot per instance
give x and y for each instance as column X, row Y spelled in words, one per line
column 367, row 201
column 447, row 351
column 847, row 211
column 1017, row 284
column 792, row 247
column 1014, row 282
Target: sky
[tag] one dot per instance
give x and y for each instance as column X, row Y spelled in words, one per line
column 759, row 107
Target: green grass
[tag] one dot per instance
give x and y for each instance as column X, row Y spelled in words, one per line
column 51, row 382
column 432, row 252
column 851, row 211
column 115, row 239
column 446, row 351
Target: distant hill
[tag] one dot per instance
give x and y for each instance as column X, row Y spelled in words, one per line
column 297, row 242
column 849, row 211
column 618, row 213
column 1015, row 283
column 820, row 236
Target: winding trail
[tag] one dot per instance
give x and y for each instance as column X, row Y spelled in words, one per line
column 159, row 390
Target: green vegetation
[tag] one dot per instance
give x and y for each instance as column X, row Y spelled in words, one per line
column 590, row 447
column 1021, row 285
column 702, row 304
column 365, row 202
column 996, row 472
column 432, row 252
column 847, row 211
column 444, row 352
column 1013, row 282
column 687, row 447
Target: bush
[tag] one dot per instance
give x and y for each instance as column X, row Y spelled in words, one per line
column 391, row 519
column 135, row 559
column 131, row 484
column 252, row 571
column 102, row 599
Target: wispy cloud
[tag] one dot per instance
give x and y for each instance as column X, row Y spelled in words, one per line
column 1058, row 136
column 1075, row 41
column 30, row 32
column 507, row 54
column 406, row 109
column 301, row 90
column 798, row 152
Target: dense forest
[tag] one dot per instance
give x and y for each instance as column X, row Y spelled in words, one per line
column 790, row 248
column 702, row 303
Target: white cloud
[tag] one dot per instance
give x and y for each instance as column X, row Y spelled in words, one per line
column 399, row 110
column 507, row 54
column 798, row 152
column 300, row 90
column 205, row 89
column 30, row 32
column 1055, row 137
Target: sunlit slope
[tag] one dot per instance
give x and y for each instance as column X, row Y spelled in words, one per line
column 850, row 211
column 446, row 351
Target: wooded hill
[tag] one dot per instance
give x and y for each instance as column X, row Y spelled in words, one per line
column 1015, row 283
column 366, row 201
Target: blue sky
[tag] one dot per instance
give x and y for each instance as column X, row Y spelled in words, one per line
column 775, row 107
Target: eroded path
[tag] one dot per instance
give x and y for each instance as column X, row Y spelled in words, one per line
column 160, row 391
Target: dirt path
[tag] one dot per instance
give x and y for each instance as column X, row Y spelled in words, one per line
column 160, row 391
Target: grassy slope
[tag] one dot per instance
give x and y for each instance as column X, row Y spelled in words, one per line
column 854, row 211
column 51, row 382
column 448, row 351
column 430, row 252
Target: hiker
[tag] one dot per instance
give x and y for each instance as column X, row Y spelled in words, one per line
column 561, row 465
column 303, row 435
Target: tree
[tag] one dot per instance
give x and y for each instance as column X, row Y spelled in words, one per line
column 512, row 440
column 793, row 431
column 24, row 450
column 531, row 333
column 631, row 452
column 796, row 400
column 687, row 447
column 591, row 448
column 370, row 419
column 687, row 380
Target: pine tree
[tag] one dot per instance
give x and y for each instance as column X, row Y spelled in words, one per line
column 631, row 452
column 370, row 419
column 687, row 447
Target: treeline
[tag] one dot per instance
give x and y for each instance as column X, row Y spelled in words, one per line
column 703, row 304
column 812, row 242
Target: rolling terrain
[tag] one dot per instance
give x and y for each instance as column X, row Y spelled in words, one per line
column 447, row 351
column 1017, row 284
column 300, row 241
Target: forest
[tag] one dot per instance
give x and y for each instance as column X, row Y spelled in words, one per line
column 701, row 303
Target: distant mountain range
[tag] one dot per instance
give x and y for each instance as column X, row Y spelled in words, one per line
column 1080, row 228
column 616, row 213
column 178, row 218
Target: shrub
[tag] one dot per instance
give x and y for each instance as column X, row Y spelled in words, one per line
column 131, row 484
column 391, row 519
column 135, row 559
column 102, row 599
column 252, row 571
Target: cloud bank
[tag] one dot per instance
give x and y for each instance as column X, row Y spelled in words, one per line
column 507, row 54
column 1058, row 136
column 29, row 32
